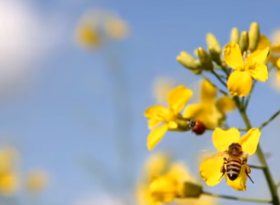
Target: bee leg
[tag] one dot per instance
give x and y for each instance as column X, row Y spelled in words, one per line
column 223, row 170
column 248, row 171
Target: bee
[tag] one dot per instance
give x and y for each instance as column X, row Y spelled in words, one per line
column 197, row 127
column 233, row 162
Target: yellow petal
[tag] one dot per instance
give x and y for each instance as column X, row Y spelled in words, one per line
column 223, row 138
column 275, row 48
column 259, row 72
column 143, row 195
column 239, row 83
column 155, row 136
column 233, row 56
column 239, row 183
column 164, row 188
column 180, row 172
column 178, row 98
column 210, row 169
column 156, row 114
column 278, row 63
column 152, row 123
column 156, row 111
column 259, row 56
column 209, row 115
column 193, row 110
column 208, row 92
column 225, row 104
column 250, row 141
column 263, row 43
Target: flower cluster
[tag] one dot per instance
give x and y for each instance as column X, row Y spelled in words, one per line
column 237, row 67
column 99, row 27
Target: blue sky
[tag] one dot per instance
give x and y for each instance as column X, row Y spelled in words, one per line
column 66, row 118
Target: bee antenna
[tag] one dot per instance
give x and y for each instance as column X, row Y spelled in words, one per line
column 250, row 178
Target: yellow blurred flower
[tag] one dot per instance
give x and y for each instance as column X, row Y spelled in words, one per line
column 8, row 176
column 143, row 195
column 36, row 181
column 275, row 47
column 224, row 141
column 87, row 35
column 115, row 27
column 203, row 200
column 172, row 182
column 210, row 111
column 156, row 164
column 162, row 119
column 253, row 66
column 8, row 183
column 169, row 180
column 162, row 87
column 99, row 27
column 8, row 159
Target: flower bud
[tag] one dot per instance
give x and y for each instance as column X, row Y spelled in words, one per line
column 213, row 43
column 243, row 41
column 254, row 36
column 190, row 190
column 205, row 59
column 189, row 62
column 214, row 48
column 234, row 35
column 166, row 188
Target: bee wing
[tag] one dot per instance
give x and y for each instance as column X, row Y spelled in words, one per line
column 210, row 169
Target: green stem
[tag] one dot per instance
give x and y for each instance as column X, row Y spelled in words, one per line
column 237, row 198
column 277, row 185
column 219, row 78
column 255, row 166
column 220, row 90
column 261, row 156
column 250, row 94
column 270, row 119
column 243, row 129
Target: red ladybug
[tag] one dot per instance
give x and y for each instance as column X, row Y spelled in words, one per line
column 197, row 127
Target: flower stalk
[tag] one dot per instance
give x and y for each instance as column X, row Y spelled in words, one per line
column 270, row 119
column 261, row 156
column 237, row 198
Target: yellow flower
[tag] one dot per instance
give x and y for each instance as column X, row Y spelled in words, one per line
column 87, row 35
column 143, row 195
column 8, row 183
column 156, row 164
column 115, row 28
column 253, row 66
column 209, row 111
column 36, row 181
column 224, row 140
column 174, row 184
column 162, row 119
column 162, row 87
column 98, row 27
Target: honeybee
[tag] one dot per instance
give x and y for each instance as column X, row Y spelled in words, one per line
column 234, row 159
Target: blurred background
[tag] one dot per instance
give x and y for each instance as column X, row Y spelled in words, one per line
column 72, row 129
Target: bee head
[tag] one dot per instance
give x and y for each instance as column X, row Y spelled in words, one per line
column 235, row 149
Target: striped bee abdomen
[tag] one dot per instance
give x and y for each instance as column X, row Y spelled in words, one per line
column 233, row 167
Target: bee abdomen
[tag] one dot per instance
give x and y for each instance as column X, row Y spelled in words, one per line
column 233, row 169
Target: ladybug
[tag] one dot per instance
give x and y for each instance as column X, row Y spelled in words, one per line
column 197, row 127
